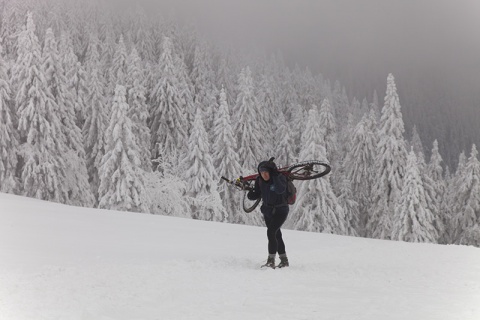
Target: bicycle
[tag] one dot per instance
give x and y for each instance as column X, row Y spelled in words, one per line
column 306, row 170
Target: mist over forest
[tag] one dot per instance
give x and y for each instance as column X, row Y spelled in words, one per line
column 432, row 48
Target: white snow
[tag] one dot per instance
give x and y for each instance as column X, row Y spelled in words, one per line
column 62, row 262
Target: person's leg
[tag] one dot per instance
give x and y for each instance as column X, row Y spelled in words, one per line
column 274, row 235
column 280, row 243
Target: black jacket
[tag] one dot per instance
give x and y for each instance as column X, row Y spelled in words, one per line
column 273, row 192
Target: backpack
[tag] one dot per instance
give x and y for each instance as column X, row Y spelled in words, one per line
column 291, row 192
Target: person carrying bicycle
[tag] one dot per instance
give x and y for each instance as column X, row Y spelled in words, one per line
column 271, row 186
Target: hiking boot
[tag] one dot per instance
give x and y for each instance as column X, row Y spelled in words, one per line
column 270, row 262
column 283, row 262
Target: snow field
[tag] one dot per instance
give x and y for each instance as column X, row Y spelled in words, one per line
column 61, row 262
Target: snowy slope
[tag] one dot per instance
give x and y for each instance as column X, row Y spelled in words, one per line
column 61, row 262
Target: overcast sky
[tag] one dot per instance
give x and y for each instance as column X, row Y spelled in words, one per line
column 353, row 40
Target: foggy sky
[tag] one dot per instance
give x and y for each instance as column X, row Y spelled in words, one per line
column 351, row 36
column 354, row 31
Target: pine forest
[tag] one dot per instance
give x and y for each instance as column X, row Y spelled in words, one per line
column 133, row 111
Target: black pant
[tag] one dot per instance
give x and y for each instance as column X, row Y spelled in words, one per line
column 274, row 222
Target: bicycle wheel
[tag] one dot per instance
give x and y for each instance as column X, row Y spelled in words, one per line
column 249, row 205
column 308, row 170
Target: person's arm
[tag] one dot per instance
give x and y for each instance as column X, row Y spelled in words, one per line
column 255, row 193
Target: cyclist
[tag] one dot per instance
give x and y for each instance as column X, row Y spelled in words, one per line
column 272, row 188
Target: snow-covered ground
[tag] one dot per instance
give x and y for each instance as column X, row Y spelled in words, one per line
column 61, row 262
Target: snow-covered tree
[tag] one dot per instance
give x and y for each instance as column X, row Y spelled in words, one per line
column 42, row 140
column 467, row 203
column 138, row 111
column 268, row 105
column 141, row 35
column 285, row 150
column 350, row 208
column 92, row 54
column 168, row 123
column 74, row 153
column 246, row 126
column 327, row 123
column 166, row 190
column 417, row 144
column 186, row 92
column 203, row 79
column 375, row 106
column 413, row 221
column 121, row 182
column 360, row 165
column 340, row 101
column 297, row 123
column 225, row 157
column 76, row 77
column 434, row 172
column 12, row 19
column 118, row 71
column 429, row 185
column 317, row 208
column 390, row 165
column 226, row 78
column 94, row 128
column 8, row 133
column 201, row 176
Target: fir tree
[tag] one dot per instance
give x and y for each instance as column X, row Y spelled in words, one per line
column 8, row 133
column 226, row 80
column 453, row 183
column 138, row 111
column 246, row 126
column 340, row 101
column 121, row 183
column 375, row 105
column 118, row 71
column 76, row 77
column 467, row 203
column 92, row 55
column 200, row 176
column 186, row 92
column 267, row 105
column 350, row 208
column 297, row 123
column 168, row 123
column 74, row 154
column 390, row 165
column 285, row 149
column 429, row 186
column 290, row 106
column 434, row 172
column 94, row 128
column 327, row 122
column 225, row 157
column 417, row 144
column 141, row 36
column 12, row 19
column 360, row 165
column 42, row 141
column 203, row 79
column 413, row 221
column 317, row 208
